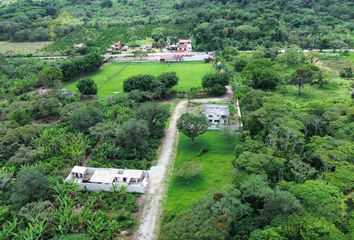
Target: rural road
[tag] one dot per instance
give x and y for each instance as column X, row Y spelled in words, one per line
column 154, row 198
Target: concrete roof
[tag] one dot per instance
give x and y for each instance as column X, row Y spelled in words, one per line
column 216, row 109
column 79, row 169
column 104, row 176
column 133, row 173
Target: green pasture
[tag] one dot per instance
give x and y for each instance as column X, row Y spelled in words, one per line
column 109, row 79
column 215, row 174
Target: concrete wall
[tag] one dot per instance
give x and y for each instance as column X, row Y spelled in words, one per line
column 91, row 187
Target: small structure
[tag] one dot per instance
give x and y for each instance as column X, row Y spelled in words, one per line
column 43, row 90
column 146, row 47
column 117, row 46
column 184, row 45
column 79, row 45
column 217, row 115
column 107, row 179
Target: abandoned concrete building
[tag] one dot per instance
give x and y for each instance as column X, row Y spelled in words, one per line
column 217, row 115
column 107, row 179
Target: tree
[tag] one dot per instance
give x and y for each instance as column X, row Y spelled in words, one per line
column 302, row 76
column 281, row 203
column 192, row 125
column 106, row 3
column 155, row 116
column 133, row 136
column 75, row 67
column 320, row 79
column 87, row 86
column 44, row 108
column 84, row 117
column 50, row 77
column 255, row 190
column 215, row 83
column 203, row 221
column 29, row 181
column 259, row 74
column 319, row 198
column 314, row 57
column 140, row 82
column 169, row 79
column 292, row 56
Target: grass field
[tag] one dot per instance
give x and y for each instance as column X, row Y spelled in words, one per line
column 215, row 173
column 110, row 78
column 23, row 48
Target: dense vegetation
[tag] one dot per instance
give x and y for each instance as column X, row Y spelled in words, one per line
column 213, row 24
column 43, row 135
column 293, row 169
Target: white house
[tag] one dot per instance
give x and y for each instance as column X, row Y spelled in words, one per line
column 217, row 115
column 184, row 45
column 106, row 179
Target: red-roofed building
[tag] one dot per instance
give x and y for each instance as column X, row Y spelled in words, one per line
column 184, row 45
column 117, row 46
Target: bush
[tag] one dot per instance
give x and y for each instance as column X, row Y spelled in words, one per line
column 202, row 150
column 87, row 87
column 84, row 118
column 188, row 173
column 44, row 108
column 29, row 181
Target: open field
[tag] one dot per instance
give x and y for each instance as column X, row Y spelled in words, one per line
column 23, row 48
column 110, row 78
column 215, row 173
column 336, row 91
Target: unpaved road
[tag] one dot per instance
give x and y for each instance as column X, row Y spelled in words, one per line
column 154, row 197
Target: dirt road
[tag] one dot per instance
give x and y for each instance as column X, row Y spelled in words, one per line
column 148, row 228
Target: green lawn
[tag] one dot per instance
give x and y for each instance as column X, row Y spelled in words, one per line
column 215, row 173
column 110, row 78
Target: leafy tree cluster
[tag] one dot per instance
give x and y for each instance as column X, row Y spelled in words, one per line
column 144, row 87
column 81, row 65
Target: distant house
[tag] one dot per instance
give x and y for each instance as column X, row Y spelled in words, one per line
column 217, row 115
column 117, row 46
column 184, row 45
column 146, row 47
column 107, row 179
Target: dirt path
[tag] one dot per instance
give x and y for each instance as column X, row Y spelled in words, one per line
column 154, row 198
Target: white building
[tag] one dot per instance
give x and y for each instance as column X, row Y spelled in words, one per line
column 217, row 115
column 184, row 45
column 106, row 179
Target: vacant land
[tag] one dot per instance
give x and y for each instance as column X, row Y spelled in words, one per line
column 22, row 48
column 215, row 174
column 110, row 78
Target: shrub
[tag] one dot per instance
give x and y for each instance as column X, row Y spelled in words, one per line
column 87, row 87
column 188, row 173
column 202, row 150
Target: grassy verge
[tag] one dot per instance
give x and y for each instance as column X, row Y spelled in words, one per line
column 110, row 78
column 215, row 173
